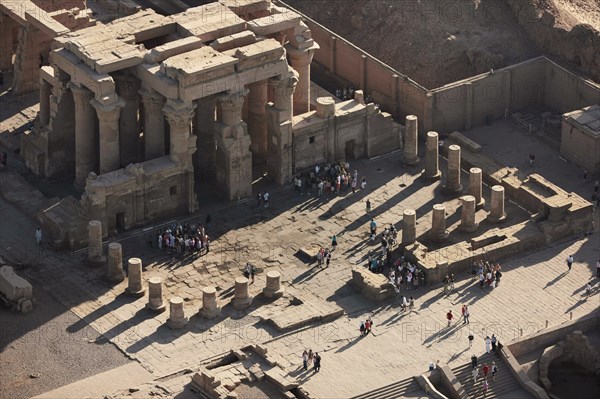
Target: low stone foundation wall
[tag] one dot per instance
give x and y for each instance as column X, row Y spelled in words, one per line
column 374, row 286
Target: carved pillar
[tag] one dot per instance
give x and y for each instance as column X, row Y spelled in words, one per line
column 127, row 88
column 300, row 60
column 45, row 93
column 438, row 223
column 467, row 215
column 108, row 117
column 497, row 213
column 205, row 157
column 432, row 170
column 411, row 134
column 280, row 143
column 234, row 159
column 86, row 146
column 257, row 117
column 182, row 146
column 409, row 227
column 154, row 124
column 475, row 188
column 453, row 171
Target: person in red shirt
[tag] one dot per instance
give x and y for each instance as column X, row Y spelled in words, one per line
column 449, row 316
column 486, row 370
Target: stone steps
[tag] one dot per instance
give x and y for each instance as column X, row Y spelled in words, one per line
column 392, row 391
column 505, row 385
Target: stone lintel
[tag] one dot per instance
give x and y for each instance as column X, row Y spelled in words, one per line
column 42, row 21
column 257, row 54
column 101, row 84
column 161, row 53
column 275, row 23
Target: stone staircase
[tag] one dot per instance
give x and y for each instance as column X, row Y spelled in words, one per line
column 504, row 387
column 398, row 389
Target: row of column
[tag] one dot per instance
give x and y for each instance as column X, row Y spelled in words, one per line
column 135, row 284
column 468, row 223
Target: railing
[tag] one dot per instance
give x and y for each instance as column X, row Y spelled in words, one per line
column 532, row 130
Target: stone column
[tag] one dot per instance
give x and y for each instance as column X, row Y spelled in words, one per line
column 127, row 88
column 280, row 141
column 95, row 256
column 438, row 223
column 108, row 117
column 300, row 60
column 155, row 295
column 453, row 185
column 234, row 159
column 475, row 188
column 257, row 117
column 45, row 93
column 206, row 155
column 154, row 124
column 432, row 169
column 114, row 269
column 409, row 227
column 177, row 317
column 182, row 144
column 86, row 146
column 134, row 274
column 241, row 296
column 497, row 213
column 210, row 308
column 411, row 132
column 467, row 215
column 273, row 288
column 7, row 25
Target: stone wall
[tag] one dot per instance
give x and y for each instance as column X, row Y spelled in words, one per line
column 349, row 130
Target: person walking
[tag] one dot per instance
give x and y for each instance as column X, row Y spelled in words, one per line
column 411, row 304
column 362, row 328
column 310, row 356
column 485, row 387
column 494, row 340
column 259, row 199
column 494, row 371
column 485, row 370
column 368, row 202
column 449, row 317
column 598, row 269
column 465, row 314
column 470, row 337
column 328, row 260
column 474, row 361
column 317, row 362
column 570, row 262
column 38, row 236
column 488, row 344
column 333, row 242
column 475, row 373
column 305, row 360
column 531, row 159
column 266, row 198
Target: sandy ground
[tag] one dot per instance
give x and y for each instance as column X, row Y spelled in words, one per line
column 38, row 345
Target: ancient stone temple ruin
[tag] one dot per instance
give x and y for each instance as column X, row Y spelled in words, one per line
column 149, row 110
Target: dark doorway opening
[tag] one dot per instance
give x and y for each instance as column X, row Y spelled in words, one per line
column 350, row 145
column 120, row 222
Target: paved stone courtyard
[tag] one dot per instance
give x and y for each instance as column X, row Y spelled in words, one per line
column 534, row 291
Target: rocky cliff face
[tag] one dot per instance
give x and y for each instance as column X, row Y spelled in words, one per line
column 437, row 42
column 559, row 33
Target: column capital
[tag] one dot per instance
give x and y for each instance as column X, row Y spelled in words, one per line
column 108, row 112
column 127, row 87
column 286, row 84
column 151, row 99
column 81, row 94
column 179, row 113
column 233, row 99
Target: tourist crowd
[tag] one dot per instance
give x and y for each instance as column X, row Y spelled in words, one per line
column 184, row 239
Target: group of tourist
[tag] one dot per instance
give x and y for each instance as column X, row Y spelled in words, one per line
column 345, row 94
column 308, row 357
column 366, row 326
column 486, row 370
column 405, row 274
column 184, row 239
column 331, row 179
column 488, row 275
